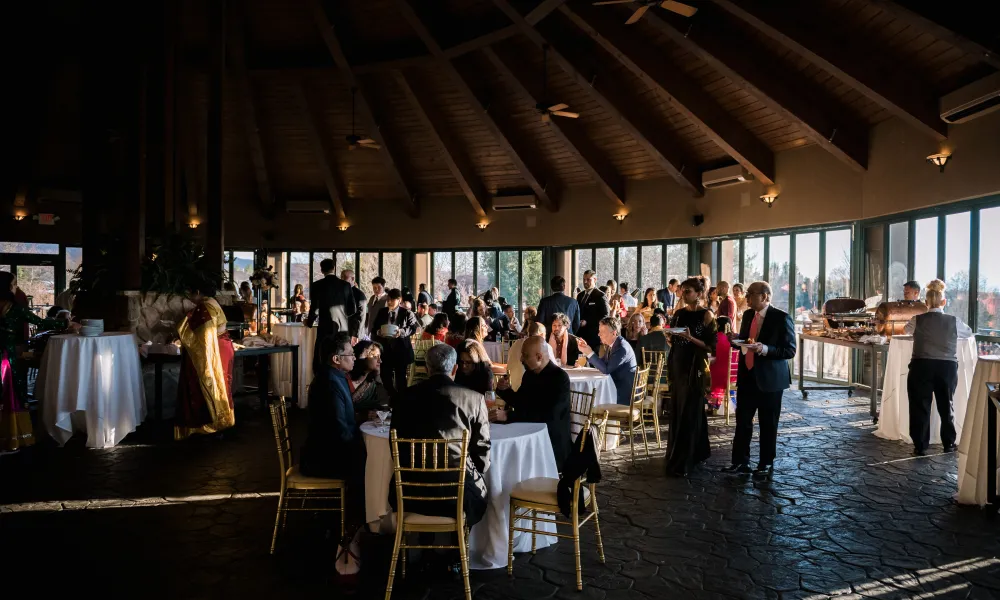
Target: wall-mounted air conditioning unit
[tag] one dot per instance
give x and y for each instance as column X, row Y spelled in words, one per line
column 312, row 207
column 519, row 202
column 972, row 101
column 725, row 176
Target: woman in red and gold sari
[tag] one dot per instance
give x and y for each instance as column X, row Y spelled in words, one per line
column 205, row 388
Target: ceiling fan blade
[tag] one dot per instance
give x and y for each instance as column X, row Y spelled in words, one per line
column 679, row 8
column 612, row 2
column 563, row 113
column 637, row 15
column 372, row 146
column 556, row 107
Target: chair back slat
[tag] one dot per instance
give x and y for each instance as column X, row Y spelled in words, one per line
column 580, row 406
column 279, row 422
column 417, row 463
column 639, row 387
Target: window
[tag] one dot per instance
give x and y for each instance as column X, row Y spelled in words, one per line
column 806, row 296
column 899, row 234
column 753, row 260
column 74, row 256
column 874, row 264
column 392, row 269
column 243, row 267
column 604, row 259
column 925, row 253
column 38, row 283
column 297, row 274
column 584, row 263
column 628, row 267
column 486, row 271
column 317, row 259
column 652, row 268
column 957, row 253
column 345, row 260
column 778, row 270
column 463, row 273
column 988, row 318
column 442, row 273
column 367, row 270
column 677, row 262
column 509, row 287
column 729, row 258
column 27, row 248
column 531, row 278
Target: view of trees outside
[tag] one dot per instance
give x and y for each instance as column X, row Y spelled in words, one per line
column 628, row 267
column 531, row 278
column 509, row 286
column 989, row 271
column 392, row 269
column 874, row 255
column 652, row 268
column 243, row 267
column 38, row 283
column 345, row 260
column 367, row 270
column 807, row 296
column 463, row 273
column 28, row 248
column 677, row 262
column 317, row 258
column 957, row 256
column 298, row 273
column 584, row 262
column 604, row 259
column 442, row 273
column 730, row 261
column 74, row 257
column 899, row 235
column 753, row 260
column 925, row 256
column 486, row 274
column 777, row 273
column 838, row 264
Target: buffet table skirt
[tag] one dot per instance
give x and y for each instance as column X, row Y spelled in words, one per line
column 91, row 384
column 519, row 451
column 281, row 364
column 894, row 420
column 972, row 474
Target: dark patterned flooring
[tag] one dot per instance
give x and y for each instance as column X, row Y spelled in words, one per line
column 847, row 514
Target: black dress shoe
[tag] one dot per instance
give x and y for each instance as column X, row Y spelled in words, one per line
column 919, row 452
column 951, row 447
column 742, row 469
column 763, row 472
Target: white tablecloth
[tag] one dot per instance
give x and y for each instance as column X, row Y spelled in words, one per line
column 281, row 364
column 585, row 379
column 495, row 351
column 519, row 451
column 91, row 384
column 894, row 418
column 972, row 475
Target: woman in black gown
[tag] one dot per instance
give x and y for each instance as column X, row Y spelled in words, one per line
column 690, row 381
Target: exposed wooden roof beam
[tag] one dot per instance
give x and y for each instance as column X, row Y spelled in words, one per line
column 661, row 144
column 727, row 48
column 389, row 153
column 533, row 178
column 686, row 94
column 455, row 157
column 321, row 149
column 569, row 132
column 852, row 61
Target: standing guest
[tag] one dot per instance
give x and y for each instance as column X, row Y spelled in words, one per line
column 437, row 329
column 515, row 368
column 593, row 308
column 450, row 304
column 934, row 369
column 543, row 397
column 725, row 305
column 475, row 370
column 365, row 381
column 298, row 303
column 332, row 302
column 630, row 301
column 565, row 346
column 397, row 348
column 911, row 291
column 408, row 297
column 456, row 330
column 357, row 321
column 334, row 448
column 205, row 387
column 723, row 362
column 476, row 329
column 690, row 381
column 635, row 329
column 802, row 301
column 422, row 295
column 423, row 319
column 438, row 408
column 375, row 304
column 559, row 302
column 515, row 325
column 713, row 299
column 668, row 295
column 619, row 361
column 762, row 377
column 740, row 298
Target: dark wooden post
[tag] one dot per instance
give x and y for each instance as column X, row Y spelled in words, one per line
column 217, row 63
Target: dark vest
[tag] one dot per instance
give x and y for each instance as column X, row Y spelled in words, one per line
column 936, row 337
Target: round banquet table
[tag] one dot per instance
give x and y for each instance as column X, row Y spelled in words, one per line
column 587, row 379
column 281, row 364
column 495, row 351
column 972, row 473
column 894, row 418
column 518, row 451
column 91, row 384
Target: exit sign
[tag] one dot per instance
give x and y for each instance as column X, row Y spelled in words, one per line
column 47, row 219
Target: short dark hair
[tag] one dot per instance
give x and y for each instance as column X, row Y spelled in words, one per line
column 422, row 287
column 334, row 344
column 558, row 283
column 456, row 324
column 395, row 294
column 695, row 283
column 327, row 265
column 453, row 282
column 623, row 285
column 379, row 281
column 656, row 320
column 672, row 282
column 434, row 305
column 913, row 285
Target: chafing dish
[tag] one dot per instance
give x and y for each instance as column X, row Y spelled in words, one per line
column 843, row 313
column 891, row 317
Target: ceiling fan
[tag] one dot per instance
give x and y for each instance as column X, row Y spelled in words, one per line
column 356, row 141
column 678, row 7
column 544, row 108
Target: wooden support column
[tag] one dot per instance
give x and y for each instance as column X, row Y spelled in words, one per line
column 214, row 233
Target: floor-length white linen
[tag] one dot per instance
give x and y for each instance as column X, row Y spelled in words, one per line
column 495, row 351
column 587, row 379
column 281, row 364
column 91, row 384
column 894, row 417
column 972, row 474
column 519, row 451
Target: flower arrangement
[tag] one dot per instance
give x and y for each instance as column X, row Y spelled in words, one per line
column 264, row 279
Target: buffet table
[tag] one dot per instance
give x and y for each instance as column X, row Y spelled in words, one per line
column 973, row 461
column 519, row 451
column 894, row 418
column 281, row 365
column 873, row 349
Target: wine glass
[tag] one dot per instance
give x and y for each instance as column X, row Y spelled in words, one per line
column 387, row 420
column 381, row 414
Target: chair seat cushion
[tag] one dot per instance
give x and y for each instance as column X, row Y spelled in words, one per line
column 418, row 519
column 541, row 490
column 296, row 480
column 615, row 411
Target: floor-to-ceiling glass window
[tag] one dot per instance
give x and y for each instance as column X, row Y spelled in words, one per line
column 957, row 252
column 925, row 250
column 677, row 262
column 988, row 313
column 243, row 266
column 807, row 293
column 317, row 259
column 899, row 235
column 874, row 264
column 345, row 261
column 780, row 254
column 628, row 267
column 729, row 260
column 298, row 272
column 836, row 359
column 652, row 268
column 753, row 260
column 367, row 270
column 464, row 275
column 531, row 277
column 584, row 259
column 442, row 273
column 604, row 264
column 486, row 271
column 392, row 269
column 74, row 258
column 509, row 285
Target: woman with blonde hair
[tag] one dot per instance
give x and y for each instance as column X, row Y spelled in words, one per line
column 934, row 369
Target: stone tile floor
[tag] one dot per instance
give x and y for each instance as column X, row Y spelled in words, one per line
column 847, row 514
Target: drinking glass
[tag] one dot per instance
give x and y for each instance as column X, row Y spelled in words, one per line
column 382, row 414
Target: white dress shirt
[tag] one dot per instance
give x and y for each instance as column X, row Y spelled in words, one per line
column 630, row 301
column 964, row 331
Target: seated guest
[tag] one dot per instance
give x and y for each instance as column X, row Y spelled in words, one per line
column 397, row 349
column 564, row 346
column 649, row 303
column 514, row 324
column 475, row 371
column 619, row 362
column 456, row 330
column 334, row 447
column 476, row 329
column 515, row 369
column 542, row 398
column 530, row 315
column 437, row 329
column 630, row 301
column 635, row 329
column 367, row 391
column 423, row 319
column 655, row 340
column 439, row 409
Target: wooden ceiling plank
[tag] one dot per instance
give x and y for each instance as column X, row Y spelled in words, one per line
column 390, row 153
column 568, row 132
column 321, row 148
column 733, row 53
column 802, row 31
column 534, row 178
column 455, row 157
column 661, row 144
column 687, row 96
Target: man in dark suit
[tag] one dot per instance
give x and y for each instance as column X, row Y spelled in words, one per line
column 357, row 320
column 668, row 295
column 438, row 409
column 397, row 351
column 565, row 346
column 761, row 378
column 559, row 302
column 422, row 295
column 375, row 304
column 332, row 302
column 542, row 398
column 593, row 307
column 450, row 304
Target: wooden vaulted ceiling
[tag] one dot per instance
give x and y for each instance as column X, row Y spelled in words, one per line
column 449, row 88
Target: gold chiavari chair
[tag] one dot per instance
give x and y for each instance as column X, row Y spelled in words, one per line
column 540, row 495
column 581, row 405
column 651, row 405
column 428, row 457
column 630, row 414
column 295, row 485
column 417, row 370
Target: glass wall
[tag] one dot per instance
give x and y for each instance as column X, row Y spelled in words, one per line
column 531, row 278
column 392, row 269
column 584, row 261
column 74, row 257
column 807, row 293
column 648, row 266
column 510, row 287
column 604, row 264
column 486, row 271
column 345, row 261
column 753, row 260
column 957, row 255
column 628, row 267
column 838, row 264
column 899, row 236
column 874, row 265
column 777, row 276
column 925, row 248
column 242, row 267
column 988, row 317
column 298, row 272
column 729, row 261
column 517, row 273
column 677, row 262
column 317, row 259
column 442, row 273
column 652, row 269
column 464, row 274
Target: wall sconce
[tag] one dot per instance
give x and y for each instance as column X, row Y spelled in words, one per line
column 620, row 217
column 482, row 226
column 194, row 224
column 20, row 217
column 768, row 199
column 939, row 160
column 342, row 227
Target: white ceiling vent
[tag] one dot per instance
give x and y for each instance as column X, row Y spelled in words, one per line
column 972, row 101
column 725, row 176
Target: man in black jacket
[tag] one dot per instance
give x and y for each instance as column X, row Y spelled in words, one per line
column 593, row 307
column 332, row 302
column 397, row 351
column 450, row 304
column 559, row 302
column 422, row 295
column 761, row 379
column 357, row 320
column 542, row 398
